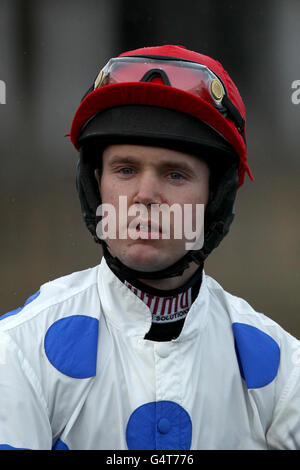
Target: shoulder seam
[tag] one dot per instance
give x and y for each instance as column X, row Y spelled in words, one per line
column 251, row 311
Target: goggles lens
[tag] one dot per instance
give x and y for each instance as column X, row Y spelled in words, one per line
column 188, row 76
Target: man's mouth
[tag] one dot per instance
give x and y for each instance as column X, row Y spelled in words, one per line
column 145, row 229
column 148, row 226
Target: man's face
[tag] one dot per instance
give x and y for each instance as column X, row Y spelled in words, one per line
column 150, row 177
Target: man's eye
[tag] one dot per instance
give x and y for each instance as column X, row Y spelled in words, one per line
column 126, row 171
column 176, row 176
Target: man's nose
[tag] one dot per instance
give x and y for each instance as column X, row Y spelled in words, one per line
column 148, row 189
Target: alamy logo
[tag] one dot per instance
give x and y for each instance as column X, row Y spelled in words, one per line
column 296, row 94
column 161, row 221
column 2, row 92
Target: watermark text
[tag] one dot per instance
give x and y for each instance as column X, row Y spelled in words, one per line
column 2, row 92
column 159, row 222
column 295, row 97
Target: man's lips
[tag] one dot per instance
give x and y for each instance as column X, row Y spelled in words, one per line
column 144, row 229
column 148, row 226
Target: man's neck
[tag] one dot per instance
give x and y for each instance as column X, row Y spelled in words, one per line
column 172, row 282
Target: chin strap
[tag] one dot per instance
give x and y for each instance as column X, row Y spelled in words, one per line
column 174, row 270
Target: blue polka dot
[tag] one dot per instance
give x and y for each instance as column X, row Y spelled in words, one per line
column 71, row 346
column 257, row 353
column 8, row 447
column 162, row 425
column 60, row 445
column 17, row 310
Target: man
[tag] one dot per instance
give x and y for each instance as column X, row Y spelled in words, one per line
column 146, row 351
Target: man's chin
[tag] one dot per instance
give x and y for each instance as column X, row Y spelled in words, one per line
column 146, row 260
column 146, row 257
column 144, row 265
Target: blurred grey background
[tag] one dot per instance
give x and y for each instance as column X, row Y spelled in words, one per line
column 51, row 51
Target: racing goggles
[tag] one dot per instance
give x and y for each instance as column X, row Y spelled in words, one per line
column 182, row 74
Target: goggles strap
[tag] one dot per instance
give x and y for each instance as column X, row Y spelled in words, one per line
column 235, row 115
column 154, row 73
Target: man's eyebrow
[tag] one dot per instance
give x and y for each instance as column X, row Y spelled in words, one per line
column 183, row 166
column 122, row 159
column 166, row 164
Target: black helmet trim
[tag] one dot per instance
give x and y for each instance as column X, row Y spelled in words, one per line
column 154, row 125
